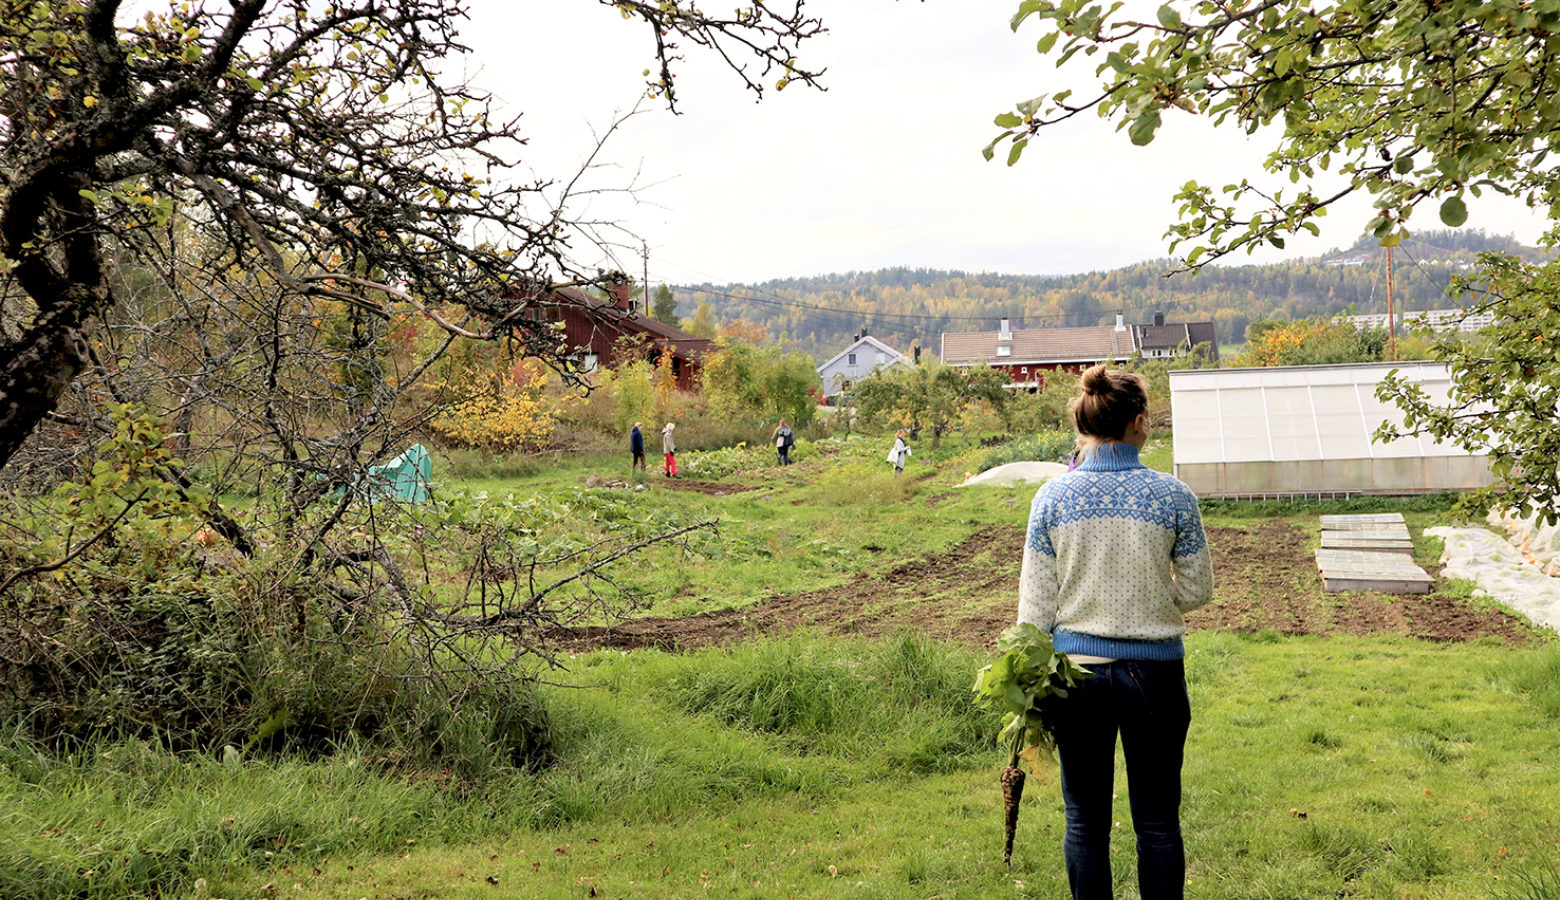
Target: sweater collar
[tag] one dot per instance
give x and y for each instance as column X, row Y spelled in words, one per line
column 1112, row 456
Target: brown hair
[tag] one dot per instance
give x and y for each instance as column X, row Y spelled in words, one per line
column 1109, row 400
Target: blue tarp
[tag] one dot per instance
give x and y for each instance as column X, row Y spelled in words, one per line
column 406, row 478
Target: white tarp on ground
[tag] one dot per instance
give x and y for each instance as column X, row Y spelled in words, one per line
column 1533, row 538
column 1018, row 473
column 1501, row 571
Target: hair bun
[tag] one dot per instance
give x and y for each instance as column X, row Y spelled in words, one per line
column 1095, row 380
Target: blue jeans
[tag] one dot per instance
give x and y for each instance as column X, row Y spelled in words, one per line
column 1147, row 703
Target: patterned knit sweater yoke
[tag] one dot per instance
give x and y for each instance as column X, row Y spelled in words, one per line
column 1115, row 554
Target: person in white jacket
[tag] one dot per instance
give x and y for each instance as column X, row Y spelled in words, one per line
column 669, row 447
column 899, row 454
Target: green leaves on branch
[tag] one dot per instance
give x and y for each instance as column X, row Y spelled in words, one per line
column 1504, row 398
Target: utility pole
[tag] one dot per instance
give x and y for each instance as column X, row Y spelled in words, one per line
column 1391, row 318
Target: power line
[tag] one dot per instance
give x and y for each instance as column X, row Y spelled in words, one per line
column 1419, row 267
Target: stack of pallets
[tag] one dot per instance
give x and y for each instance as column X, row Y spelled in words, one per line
column 1369, row 553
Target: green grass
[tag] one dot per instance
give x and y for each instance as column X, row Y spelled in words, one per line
column 1315, row 767
column 800, row 528
column 814, row 766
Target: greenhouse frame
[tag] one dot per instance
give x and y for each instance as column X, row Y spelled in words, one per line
column 1307, row 431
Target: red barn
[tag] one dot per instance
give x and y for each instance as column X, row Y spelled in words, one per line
column 595, row 329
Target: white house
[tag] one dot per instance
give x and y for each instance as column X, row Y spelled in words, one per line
column 865, row 355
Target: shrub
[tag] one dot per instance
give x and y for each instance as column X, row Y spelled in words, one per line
column 725, row 461
column 513, row 414
column 1044, row 446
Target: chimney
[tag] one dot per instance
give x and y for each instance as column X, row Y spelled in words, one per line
column 1005, row 330
column 617, row 289
column 855, row 337
column 1121, row 324
column 1159, row 318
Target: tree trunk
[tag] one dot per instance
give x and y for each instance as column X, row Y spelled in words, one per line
column 36, row 370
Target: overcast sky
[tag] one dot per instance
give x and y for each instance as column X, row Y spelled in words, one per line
column 883, row 169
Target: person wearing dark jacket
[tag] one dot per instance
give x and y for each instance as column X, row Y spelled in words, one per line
column 784, row 439
column 636, row 446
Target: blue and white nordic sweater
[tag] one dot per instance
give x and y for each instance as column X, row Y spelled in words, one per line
column 1114, row 555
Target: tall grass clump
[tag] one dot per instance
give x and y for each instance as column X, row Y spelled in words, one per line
column 1536, row 677
column 465, row 464
column 130, row 819
column 903, row 700
column 859, row 486
column 1538, row 884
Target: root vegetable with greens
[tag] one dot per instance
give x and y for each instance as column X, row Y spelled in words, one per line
column 1027, row 673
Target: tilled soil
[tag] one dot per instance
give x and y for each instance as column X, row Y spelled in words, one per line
column 1264, row 575
column 713, row 488
column 1265, row 578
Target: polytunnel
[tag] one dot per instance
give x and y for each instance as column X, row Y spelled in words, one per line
column 1307, row 430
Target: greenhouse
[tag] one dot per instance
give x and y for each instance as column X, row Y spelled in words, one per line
column 1307, row 430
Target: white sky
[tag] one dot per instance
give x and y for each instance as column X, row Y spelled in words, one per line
column 884, row 169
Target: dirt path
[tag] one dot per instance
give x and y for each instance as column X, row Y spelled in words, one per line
column 1265, row 578
column 713, row 488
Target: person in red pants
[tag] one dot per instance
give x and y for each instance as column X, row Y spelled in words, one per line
column 669, row 446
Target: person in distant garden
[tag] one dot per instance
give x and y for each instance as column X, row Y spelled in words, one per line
column 1077, row 454
column 1114, row 557
column 785, row 439
column 899, row 454
column 636, row 446
column 669, row 447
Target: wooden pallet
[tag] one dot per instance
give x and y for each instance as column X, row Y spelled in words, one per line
column 1338, row 540
column 1369, row 570
column 1352, row 521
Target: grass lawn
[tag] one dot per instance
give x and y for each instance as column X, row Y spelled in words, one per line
column 1355, row 767
column 821, row 764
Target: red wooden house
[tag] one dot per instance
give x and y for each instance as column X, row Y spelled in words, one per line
column 598, row 332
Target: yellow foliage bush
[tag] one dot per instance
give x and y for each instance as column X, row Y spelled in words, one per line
column 513, row 415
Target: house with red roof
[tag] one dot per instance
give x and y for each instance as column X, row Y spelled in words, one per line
column 595, row 331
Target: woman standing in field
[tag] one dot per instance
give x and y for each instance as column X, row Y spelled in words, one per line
column 899, row 453
column 1115, row 554
column 669, row 447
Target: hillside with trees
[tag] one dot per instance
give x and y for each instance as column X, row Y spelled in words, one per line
column 905, row 306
